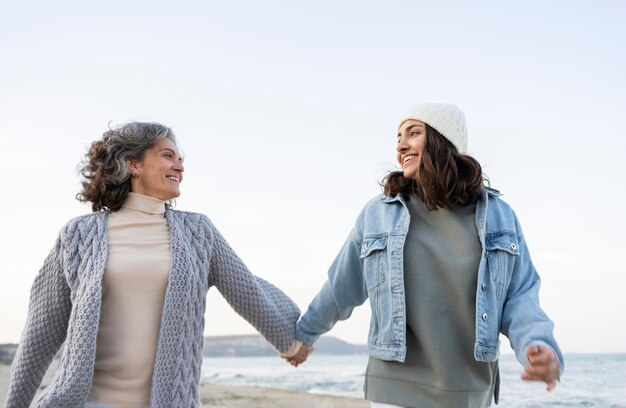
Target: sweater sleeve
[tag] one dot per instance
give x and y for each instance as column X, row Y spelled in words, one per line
column 262, row 304
column 44, row 331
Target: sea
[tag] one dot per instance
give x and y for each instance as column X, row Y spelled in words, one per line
column 589, row 380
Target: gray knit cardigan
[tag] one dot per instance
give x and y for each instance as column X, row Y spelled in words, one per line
column 65, row 302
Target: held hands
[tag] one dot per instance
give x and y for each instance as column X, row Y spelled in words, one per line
column 301, row 356
column 544, row 366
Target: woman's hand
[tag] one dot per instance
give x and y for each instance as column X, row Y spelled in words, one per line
column 544, row 366
column 301, row 356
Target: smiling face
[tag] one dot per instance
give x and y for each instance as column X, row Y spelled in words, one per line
column 160, row 172
column 411, row 142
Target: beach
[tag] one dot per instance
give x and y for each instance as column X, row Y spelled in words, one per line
column 245, row 396
column 226, row 396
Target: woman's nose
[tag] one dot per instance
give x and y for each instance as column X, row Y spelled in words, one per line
column 402, row 145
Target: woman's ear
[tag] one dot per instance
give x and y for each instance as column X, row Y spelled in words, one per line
column 134, row 166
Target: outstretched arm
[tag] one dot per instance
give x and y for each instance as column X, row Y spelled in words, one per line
column 262, row 304
column 527, row 326
column 344, row 289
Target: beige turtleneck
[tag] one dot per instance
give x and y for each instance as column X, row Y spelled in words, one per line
column 133, row 290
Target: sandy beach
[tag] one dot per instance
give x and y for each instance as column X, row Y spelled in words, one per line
column 235, row 396
column 225, row 396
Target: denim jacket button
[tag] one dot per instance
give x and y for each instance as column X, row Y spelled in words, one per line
column 483, row 287
column 513, row 246
column 485, row 317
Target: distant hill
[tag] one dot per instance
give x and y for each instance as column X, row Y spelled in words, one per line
column 7, row 351
column 238, row 346
column 255, row 345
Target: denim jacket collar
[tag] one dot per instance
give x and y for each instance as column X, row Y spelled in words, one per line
column 485, row 193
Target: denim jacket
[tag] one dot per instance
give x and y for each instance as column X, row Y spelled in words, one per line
column 370, row 265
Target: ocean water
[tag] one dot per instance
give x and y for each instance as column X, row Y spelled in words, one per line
column 590, row 380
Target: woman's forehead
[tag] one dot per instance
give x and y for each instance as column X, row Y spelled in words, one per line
column 410, row 123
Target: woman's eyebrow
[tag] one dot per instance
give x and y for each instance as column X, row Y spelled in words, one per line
column 411, row 127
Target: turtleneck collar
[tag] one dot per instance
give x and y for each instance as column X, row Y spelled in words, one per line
column 144, row 203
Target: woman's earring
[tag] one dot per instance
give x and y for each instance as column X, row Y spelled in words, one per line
column 135, row 174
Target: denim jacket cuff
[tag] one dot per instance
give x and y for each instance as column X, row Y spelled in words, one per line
column 304, row 338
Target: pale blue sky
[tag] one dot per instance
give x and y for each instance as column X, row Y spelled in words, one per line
column 287, row 113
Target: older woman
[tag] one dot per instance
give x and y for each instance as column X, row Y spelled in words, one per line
column 446, row 268
column 125, row 287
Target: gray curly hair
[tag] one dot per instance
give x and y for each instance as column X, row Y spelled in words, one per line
column 105, row 168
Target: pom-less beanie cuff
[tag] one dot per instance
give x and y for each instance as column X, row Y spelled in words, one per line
column 447, row 119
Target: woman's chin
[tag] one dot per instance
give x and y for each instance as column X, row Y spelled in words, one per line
column 170, row 195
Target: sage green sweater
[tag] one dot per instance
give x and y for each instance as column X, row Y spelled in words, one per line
column 441, row 256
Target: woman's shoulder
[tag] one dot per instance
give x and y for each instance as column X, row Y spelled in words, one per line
column 188, row 216
column 382, row 202
column 381, row 210
column 83, row 227
column 84, row 221
column 191, row 220
column 495, row 199
column 500, row 214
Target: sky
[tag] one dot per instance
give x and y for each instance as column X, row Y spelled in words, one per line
column 287, row 114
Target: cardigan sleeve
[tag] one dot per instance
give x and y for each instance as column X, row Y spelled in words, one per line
column 262, row 304
column 44, row 332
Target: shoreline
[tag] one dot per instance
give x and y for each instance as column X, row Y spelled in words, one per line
column 233, row 396
column 239, row 396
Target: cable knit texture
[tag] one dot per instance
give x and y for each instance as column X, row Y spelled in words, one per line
column 65, row 307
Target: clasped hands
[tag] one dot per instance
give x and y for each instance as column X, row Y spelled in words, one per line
column 300, row 355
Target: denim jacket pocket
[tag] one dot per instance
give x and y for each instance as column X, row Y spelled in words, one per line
column 502, row 250
column 372, row 255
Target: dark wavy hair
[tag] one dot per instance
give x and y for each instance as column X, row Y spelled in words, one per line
column 445, row 177
column 105, row 168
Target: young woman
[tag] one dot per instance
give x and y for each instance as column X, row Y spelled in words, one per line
column 124, row 288
column 445, row 266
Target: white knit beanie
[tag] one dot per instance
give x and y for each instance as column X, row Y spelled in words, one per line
column 448, row 120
